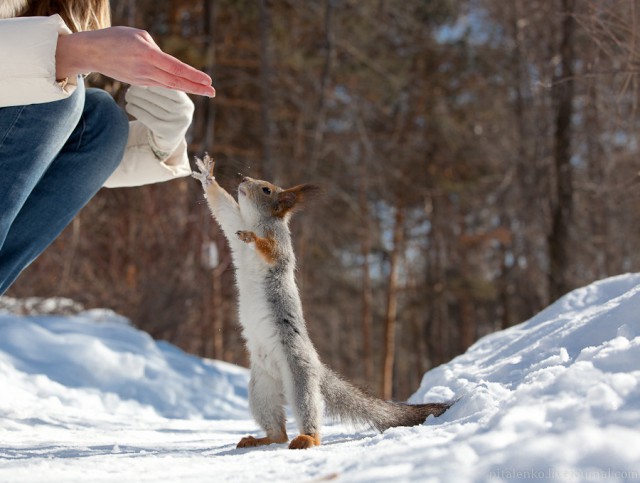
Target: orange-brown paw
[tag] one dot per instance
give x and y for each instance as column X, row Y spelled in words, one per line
column 246, row 236
column 304, row 441
column 251, row 442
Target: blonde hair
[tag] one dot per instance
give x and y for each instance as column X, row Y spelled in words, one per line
column 79, row 15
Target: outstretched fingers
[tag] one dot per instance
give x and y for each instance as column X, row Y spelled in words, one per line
column 129, row 55
column 174, row 74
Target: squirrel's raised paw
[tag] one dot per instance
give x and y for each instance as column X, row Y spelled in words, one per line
column 205, row 170
column 246, row 236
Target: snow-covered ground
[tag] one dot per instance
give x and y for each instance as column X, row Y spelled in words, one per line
column 87, row 397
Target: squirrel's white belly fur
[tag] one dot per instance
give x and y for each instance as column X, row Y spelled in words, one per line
column 255, row 315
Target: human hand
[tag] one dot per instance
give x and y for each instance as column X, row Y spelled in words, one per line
column 166, row 112
column 129, row 55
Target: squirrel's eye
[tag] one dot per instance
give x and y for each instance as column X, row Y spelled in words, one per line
column 266, row 190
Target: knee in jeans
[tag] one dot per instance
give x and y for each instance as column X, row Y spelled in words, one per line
column 69, row 110
column 110, row 123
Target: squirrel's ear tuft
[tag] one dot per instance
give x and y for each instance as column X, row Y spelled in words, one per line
column 294, row 198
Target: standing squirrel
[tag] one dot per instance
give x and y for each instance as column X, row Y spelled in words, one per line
column 285, row 366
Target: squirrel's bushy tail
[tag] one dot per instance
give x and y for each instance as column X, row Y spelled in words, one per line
column 353, row 405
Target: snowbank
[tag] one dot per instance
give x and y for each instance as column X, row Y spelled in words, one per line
column 557, row 395
column 95, row 361
column 557, row 398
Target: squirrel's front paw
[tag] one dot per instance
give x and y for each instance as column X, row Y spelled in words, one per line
column 246, row 236
column 205, row 173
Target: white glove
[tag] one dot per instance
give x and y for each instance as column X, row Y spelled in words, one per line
column 167, row 114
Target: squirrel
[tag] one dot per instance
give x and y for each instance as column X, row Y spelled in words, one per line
column 285, row 366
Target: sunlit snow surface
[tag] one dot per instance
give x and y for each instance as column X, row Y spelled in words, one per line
column 557, row 398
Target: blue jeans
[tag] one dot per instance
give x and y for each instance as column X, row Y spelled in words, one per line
column 54, row 157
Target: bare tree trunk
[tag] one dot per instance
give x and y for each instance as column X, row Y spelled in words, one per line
column 318, row 133
column 392, row 306
column 210, row 109
column 324, row 82
column 367, row 296
column 71, row 253
column 367, row 312
column 467, row 320
column 439, row 340
column 558, row 240
column 416, row 341
column 265, row 82
column 466, row 308
column 217, row 335
column 132, row 13
column 504, row 288
column 599, row 249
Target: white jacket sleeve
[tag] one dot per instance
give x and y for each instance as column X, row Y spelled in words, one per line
column 140, row 166
column 28, row 60
column 28, row 76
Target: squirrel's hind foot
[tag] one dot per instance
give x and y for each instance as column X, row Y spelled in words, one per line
column 304, row 441
column 251, row 442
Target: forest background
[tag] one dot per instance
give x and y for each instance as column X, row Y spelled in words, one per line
column 479, row 158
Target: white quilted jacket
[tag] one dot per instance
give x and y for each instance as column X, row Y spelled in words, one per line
column 28, row 76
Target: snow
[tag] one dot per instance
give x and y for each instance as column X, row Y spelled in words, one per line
column 87, row 397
